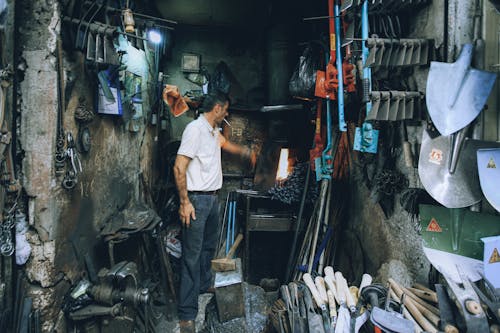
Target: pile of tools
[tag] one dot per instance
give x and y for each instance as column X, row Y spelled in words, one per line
column 374, row 307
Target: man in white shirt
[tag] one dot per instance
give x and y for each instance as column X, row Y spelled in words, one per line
column 198, row 176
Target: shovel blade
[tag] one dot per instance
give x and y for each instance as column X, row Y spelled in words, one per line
column 457, row 190
column 488, row 165
column 456, row 93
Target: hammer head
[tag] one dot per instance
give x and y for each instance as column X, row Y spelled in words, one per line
column 223, row 265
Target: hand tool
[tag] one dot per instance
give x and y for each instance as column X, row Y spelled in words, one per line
column 343, row 319
column 227, row 263
column 426, row 295
column 318, row 299
column 333, row 309
column 454, row 105
column 366, row 138
column 319, row 282
column 488, row 166
column 447, row 322
column 467, row 302
column 426, row 325
column 299, row 318
column 314, row 320
column 492, row 300
column 391, row 321
column 366, row 280
column 336, row 34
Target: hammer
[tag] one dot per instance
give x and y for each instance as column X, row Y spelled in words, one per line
column 227, row 263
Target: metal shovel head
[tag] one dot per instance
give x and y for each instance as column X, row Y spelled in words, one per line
column 456, row 93
column 460, row 189
column 488, row 166
column 391, row 322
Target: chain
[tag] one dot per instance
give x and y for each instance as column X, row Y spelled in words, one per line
column 6, row 244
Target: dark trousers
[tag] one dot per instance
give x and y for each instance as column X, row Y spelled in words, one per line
column 198, row 249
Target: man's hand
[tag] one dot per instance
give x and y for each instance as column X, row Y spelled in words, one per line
column 186, row 213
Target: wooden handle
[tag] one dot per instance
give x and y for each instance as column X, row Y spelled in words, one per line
column 408, row 155
column 332, row 287
column 331, row 304
column 406, row 314
column 320, row 285
column 233, row 248
column 345, row 290
column 366, row 280
column 310, row 284
column 426, row 325
column 426, row 305
column 422, row 287
column 329, row 272
column 428, row 296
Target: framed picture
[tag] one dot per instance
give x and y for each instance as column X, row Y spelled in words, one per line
column 190, row 62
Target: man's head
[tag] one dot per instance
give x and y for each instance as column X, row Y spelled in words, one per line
column 216, row 104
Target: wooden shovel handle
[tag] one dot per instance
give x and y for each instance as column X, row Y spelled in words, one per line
column 233, row 248
column 310, row 284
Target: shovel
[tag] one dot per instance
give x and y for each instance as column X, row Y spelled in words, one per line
column 456, row 93
column 489, row 174
column 456, row 189
column 452, row 238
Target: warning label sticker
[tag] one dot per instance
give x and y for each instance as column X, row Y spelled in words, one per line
column 436, row 156
column 491, row 164
column 434, row 226
column 495, row 256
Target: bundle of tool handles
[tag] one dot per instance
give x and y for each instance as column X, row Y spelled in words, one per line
column 367, row 308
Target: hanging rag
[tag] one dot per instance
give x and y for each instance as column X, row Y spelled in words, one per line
column 175, row 101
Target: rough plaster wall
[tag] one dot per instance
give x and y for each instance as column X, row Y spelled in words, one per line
column 371, row 240
column 241, row 51
column 66, row 223
column 38, row 115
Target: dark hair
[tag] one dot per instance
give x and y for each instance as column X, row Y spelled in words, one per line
column 212, row 99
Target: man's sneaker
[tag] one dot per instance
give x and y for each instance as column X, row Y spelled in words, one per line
column 187, row 326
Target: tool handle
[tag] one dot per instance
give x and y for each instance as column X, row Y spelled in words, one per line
column 408, row 154
column 329, row 272
column 331, row 304
column 425, row 295
column 342, row 284
column 426, row 325
column 320, row 285
column 332, row 287
column 310, row 284
column 366, row 280
column 233, row 248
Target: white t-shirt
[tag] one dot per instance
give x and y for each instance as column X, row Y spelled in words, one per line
column 202, row 143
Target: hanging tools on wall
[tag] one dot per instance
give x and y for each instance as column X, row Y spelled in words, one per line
column 366, row 138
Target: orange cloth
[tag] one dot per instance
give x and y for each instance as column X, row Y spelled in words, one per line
column 175, row 101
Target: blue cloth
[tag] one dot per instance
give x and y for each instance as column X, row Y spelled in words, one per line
column 198, row 248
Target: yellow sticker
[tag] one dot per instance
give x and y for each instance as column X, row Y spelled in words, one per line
column 495, row 256
column 333, row 45
column 434, row 226
column 491, row 164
